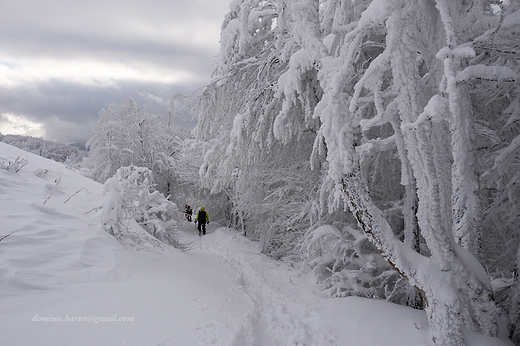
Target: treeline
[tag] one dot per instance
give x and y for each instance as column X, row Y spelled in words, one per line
column 59, row 152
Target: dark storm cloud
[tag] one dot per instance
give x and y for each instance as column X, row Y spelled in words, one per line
column 62, row 61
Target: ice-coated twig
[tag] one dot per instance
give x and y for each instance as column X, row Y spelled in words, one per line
column 75, row 193
column 7, row 235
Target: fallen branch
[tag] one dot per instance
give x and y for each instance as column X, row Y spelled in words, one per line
column 74, row 195
column 57, row 181
column 5, row 236
column 91, row 210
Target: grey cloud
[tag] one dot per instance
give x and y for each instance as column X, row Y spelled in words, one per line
column 113, row 21
column 160, row 35
column 132, row 53
column 69, row 112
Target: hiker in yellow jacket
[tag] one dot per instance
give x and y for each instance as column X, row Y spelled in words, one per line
column 201, row 219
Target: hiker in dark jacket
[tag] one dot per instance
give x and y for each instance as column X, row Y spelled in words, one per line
column 202, row 218
column 188, row 212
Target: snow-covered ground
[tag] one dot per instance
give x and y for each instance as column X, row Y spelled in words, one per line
column 64, row 281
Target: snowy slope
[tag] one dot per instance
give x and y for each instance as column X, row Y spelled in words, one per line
column 60, row 266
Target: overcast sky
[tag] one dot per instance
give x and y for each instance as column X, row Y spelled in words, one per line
column 62, row 61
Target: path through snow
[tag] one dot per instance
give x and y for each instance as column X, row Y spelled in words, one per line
column 278, row 316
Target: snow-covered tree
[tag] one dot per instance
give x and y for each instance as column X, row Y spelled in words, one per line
column 268, row 182
column 418, row 82
column 371, row 82
column 128, row 135
column 130, row 195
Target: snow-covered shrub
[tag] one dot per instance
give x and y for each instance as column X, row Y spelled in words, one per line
column 114, row 218
column 41, row 172
column 16, row 165
column 280, row 243
column 347, row 264
column 130, row 195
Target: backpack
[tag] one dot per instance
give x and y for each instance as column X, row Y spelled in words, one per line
column 202, row 217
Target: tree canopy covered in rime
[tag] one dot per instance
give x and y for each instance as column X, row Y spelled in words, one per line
column 403, row 112
column 128, row 135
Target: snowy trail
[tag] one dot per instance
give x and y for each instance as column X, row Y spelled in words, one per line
column 278, row 316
